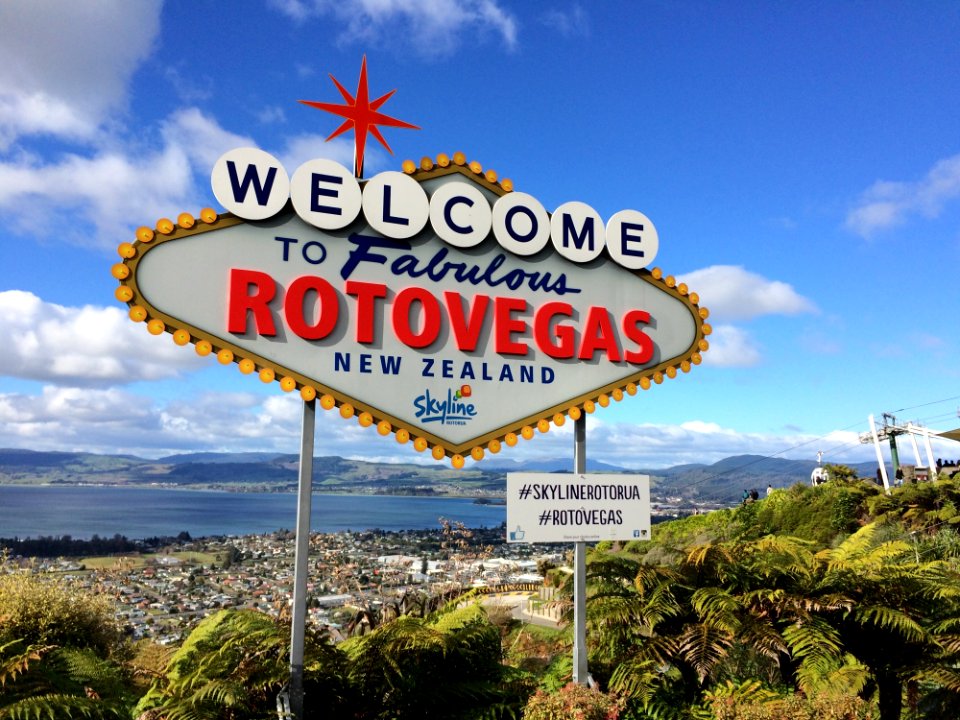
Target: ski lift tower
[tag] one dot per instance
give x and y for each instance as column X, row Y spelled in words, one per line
column 889, row 431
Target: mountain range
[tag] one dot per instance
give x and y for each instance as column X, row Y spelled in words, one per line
column 720, row 482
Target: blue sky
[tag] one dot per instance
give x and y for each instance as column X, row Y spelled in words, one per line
column 801, row 162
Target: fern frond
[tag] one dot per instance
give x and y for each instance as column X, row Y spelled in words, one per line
column 717, row 607
column 891, row 619
column 701, row 555
column 222, row 693
column 813, row 638
column 817, row 645
column 763, row 637
column 748, row 691
column 948, row 677
column 649, row 578
column 15, row 661
column 660, row 708
column 184, row 712
column 638, row 679
column 703, row 647
column 833, row 675
column 84, row 666
column 775, row 555
column 851, row 548
column 612, row 567
column 56, row 706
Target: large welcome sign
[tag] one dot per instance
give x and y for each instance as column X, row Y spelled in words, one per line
column 436, row 304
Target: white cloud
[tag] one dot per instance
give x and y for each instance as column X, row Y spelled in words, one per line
column 110, row 191
column 201, row 139
column 570, row 22
column 427, row 26
column 188, row 88
column 887, row 204
column 232, row 421
column 21, row 113
column 272, row 115
column 77, row 419
column 112, row 420
column 65, row 66
column 113, row 191
column 646, row 446
column 82, row 347
column 706, row 442
column 732, row 293
column 301, row 148
column 731, row 346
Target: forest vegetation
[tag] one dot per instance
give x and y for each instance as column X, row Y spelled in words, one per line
column 837, row 602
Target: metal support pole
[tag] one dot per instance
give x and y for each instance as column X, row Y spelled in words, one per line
column 930, row 462
column 894, row 455
column 916, row 447
column 876, row 445
column 580, row 674
column 924, row 433
column 298, row 624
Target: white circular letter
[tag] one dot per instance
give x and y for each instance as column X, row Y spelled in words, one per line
column 520, row 223
column 577, row 232
column 325, row 194
column 250, row 183
column 395, row 205
column 460, row 214
column 632, row 240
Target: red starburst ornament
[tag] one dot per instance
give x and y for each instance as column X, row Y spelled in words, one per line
column 361, row 115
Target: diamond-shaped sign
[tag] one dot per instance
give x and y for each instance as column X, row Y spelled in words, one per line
column 457, row 340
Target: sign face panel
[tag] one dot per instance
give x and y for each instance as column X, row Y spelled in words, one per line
column 562, row 508
column 434, row 304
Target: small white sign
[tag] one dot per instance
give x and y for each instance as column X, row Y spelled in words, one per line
column 560, row 508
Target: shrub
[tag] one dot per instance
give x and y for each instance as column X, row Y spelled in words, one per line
column 48, row 611
column 845, row 509
column 698, row 529
column 446, row 667
column 235, row 662
column 573, row 702
column 812, row 513
column 59, row 648
column 794, row 707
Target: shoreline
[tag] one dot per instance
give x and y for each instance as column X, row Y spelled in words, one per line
column 160, row 545
column 493, row 496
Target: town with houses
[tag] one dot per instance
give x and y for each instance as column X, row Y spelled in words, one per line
column 162, row 595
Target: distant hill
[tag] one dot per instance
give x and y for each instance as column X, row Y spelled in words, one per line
column 720, row 482
column 725, row 480
column 19, row 466
column 212, row 457
column 270, row 472
column 554, row 465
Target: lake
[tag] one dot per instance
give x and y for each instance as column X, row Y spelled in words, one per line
column 34, row 511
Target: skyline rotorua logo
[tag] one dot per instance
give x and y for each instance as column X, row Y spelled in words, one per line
column 449, row 409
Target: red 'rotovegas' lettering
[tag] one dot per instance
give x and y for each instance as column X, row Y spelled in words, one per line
column 312, row 310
